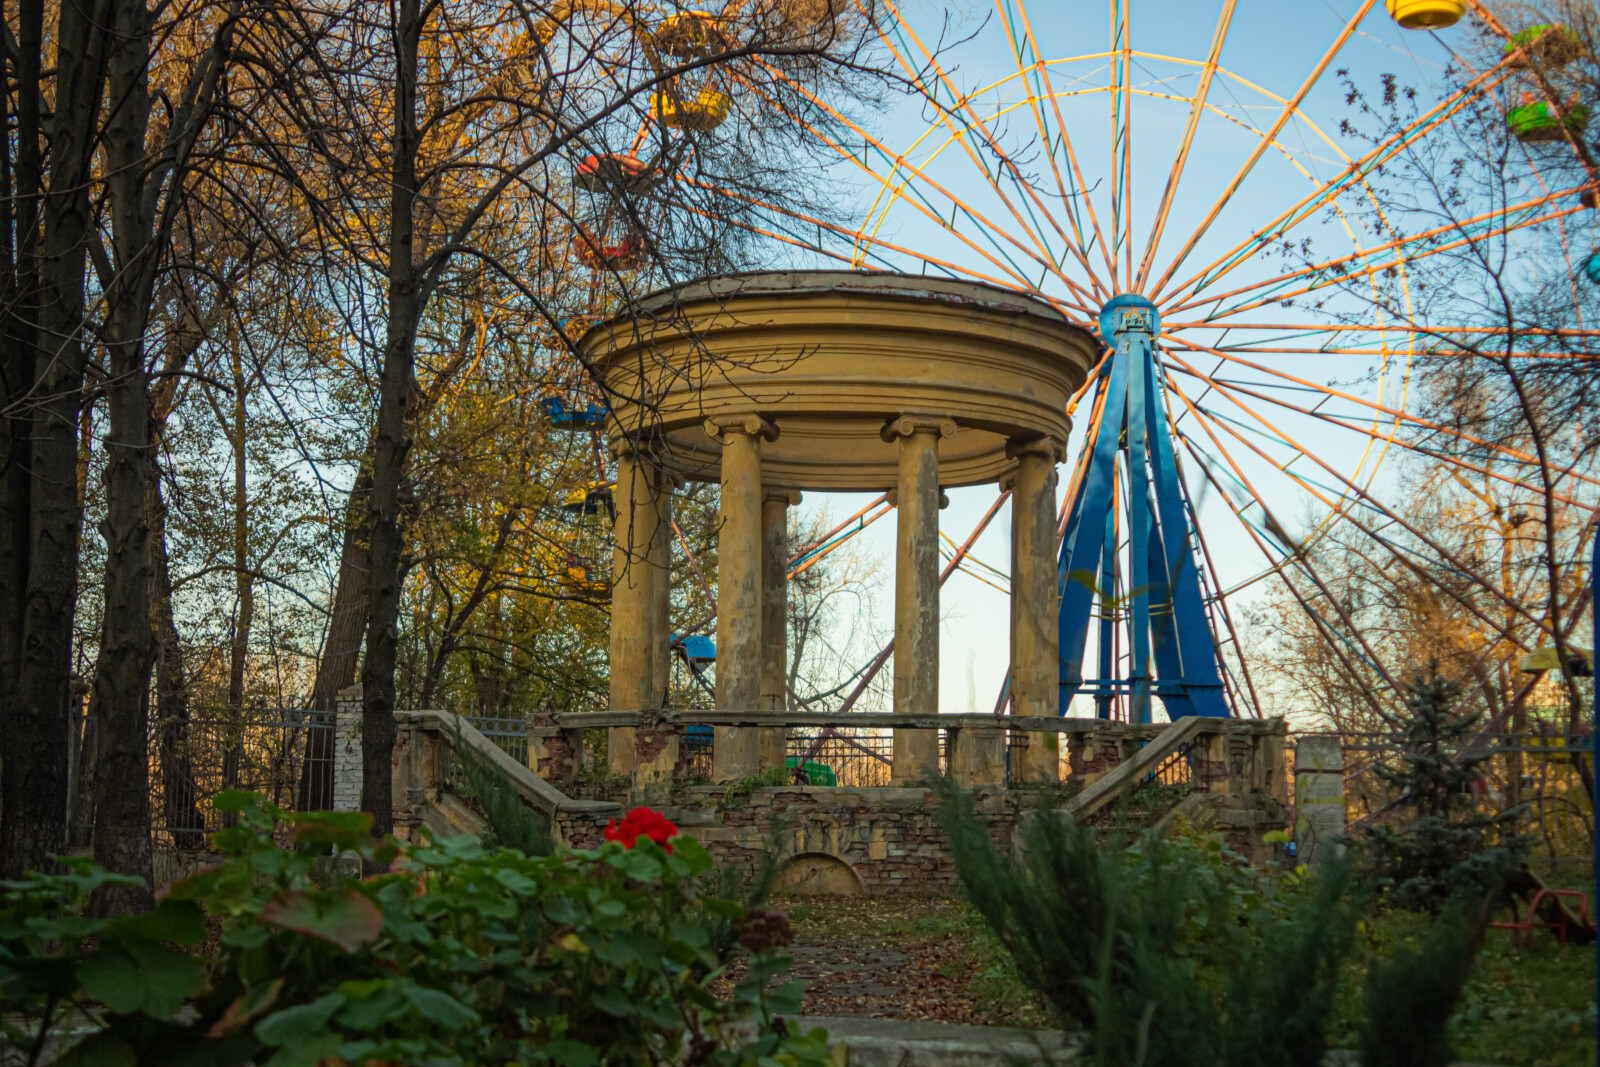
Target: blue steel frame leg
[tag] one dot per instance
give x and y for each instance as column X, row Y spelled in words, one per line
column 1172, row 652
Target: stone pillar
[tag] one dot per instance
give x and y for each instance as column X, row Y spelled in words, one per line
column 347, row 749
column 661, row 590
column 633, row 596
column 1318, row 797
column 977, row 756
column 916, row 590
column 736, row 754
column 775, row 504
column 1035, row 604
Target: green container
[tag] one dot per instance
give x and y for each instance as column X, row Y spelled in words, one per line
column 816, row 773
column 1535, row 122
column 1553, row 46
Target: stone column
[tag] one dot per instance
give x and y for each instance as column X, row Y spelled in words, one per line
column 916, row 590
column 736, row 754
column 661, row 591
column 1318, row 797
column 347, row 749
column 633, row 596
column 775, row 504
column 1035, row 606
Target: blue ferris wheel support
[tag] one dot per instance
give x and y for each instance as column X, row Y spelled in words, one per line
column 1167, row 637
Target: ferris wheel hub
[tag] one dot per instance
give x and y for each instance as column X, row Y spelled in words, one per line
column 1127, row 313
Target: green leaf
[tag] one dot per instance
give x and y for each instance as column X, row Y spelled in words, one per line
column 307, row 1053
column 172, row 920
column 141, row 976
column 237, row 800
column 560, row 910
column 100, row 1050
column 693, row 853
column 440, row 1007
column 372, row 1010
column 611, row 908
column 725, row 908
column 690, row 933
column 570, row 1053
column 291, row 1024
column 786, row 999
column 344, row 829
column 613, row 1001
column 348, row 919
column 640, row 865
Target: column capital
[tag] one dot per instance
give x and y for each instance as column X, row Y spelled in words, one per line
column 1008, row 480
column 642, row 449
column 910, row 423
column 790, row 497
column 718, row 427
column 893, row 497
column 1048, row 447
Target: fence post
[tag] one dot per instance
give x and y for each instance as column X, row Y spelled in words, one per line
column 347, row 750
column 1318, row 795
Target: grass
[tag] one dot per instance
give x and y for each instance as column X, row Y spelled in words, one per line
column 1532, row 1006
column 1523, row 1007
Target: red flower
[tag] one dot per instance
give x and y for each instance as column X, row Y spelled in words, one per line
column 642, row 822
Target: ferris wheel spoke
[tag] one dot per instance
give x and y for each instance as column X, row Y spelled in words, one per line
column 1365, row 496
column 1384, row 409
column 1403, row 556
column 998, row 236
column 1301, row 560
column 1197, row 109
column 975, row 121
column 1332, row 267
column 1122, row 136
column 1303, row 563
column 1455, row 459
column 954, row 270
column 1354, row 174
column 1407, row 327
column 1077, row 171
column 1284, row 115
column 1043, row 87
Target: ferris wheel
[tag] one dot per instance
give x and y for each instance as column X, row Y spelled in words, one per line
column 1257, row 292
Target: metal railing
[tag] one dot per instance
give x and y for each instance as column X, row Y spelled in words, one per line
column 509, row 732
column 286, row 754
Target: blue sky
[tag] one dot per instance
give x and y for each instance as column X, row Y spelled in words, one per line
column 1272, row 46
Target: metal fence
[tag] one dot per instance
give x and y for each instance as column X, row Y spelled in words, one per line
column 285, row 754
column 508, row 731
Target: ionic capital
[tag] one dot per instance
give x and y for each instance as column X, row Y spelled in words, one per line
column 718, row 427
column 1045, row 447
column 1008, row 481
column 646, row 449
column 908, row 424
column 893, row 498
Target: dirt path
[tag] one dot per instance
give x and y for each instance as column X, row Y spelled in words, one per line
column 920, row 960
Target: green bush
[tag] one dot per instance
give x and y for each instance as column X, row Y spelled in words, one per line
column 1171, row 952
column 1439, row 844
column 461, row 955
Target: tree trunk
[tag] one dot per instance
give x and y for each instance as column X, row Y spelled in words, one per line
column 392, row 440
column 243, row 580
column 22, row 179
column 127, row 646
column 33, row 797
column 179, row 812
column 341, row 649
